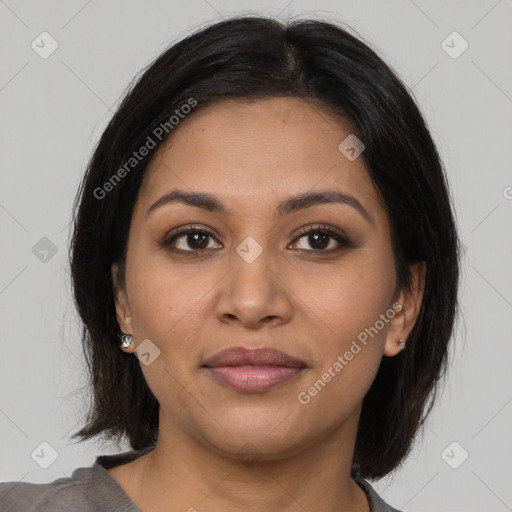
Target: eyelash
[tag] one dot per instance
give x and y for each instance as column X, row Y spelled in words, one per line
column 343, row 241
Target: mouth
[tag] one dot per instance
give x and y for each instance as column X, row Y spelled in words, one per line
column 254, row 370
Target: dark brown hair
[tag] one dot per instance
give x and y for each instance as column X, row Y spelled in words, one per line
column 249, row 58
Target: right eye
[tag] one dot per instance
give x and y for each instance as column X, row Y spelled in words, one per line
column 190, row 240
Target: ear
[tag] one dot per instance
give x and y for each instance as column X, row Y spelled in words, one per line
column 123, row 310
column 407, row 308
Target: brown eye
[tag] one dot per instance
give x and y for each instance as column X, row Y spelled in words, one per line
column 188, row 240
column 195, row 240
column 323, row 239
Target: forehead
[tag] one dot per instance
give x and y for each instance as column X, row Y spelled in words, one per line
column 257, row 153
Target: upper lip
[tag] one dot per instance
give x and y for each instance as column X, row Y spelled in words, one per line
column 237, row 356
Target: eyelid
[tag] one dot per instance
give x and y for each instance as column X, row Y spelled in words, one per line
column 325, row 228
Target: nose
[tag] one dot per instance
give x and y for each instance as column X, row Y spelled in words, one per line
column 253, row 294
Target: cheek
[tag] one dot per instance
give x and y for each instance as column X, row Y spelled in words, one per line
column 163, row 300
column 349, row 355
column 350, row 305
column 350, row 298
column 165, row 308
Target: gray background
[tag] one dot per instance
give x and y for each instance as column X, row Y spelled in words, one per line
column 53, row 111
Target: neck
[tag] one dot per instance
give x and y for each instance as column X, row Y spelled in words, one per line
column 183, row 473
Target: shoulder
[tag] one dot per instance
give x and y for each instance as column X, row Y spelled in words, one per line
column 377, row 504
column 62, row 494
column 88, row 489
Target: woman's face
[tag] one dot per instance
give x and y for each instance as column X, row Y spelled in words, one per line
column 252, row 279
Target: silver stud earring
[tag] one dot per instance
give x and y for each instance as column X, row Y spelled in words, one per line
column 401, row 343
column 125, row 340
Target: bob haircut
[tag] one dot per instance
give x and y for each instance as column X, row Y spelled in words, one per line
column 247, row 58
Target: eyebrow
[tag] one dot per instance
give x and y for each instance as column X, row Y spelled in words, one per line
column 293, row 204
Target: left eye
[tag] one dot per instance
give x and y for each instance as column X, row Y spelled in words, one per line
column 320, row 239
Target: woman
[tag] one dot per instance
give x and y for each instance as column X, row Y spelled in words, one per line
column 266, row 264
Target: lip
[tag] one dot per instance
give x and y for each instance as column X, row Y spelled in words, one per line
column 253, row 370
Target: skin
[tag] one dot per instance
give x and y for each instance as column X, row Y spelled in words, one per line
column 293, row 297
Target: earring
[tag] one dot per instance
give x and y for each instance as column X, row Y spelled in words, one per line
column 401, row 343
column 125, row 340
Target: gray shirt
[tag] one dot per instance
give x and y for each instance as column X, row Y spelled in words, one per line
column 94, row 490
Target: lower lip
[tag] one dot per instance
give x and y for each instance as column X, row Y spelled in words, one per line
column 253, row 379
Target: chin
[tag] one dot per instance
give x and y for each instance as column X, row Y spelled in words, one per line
column 254, row 448
column 257, row 435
